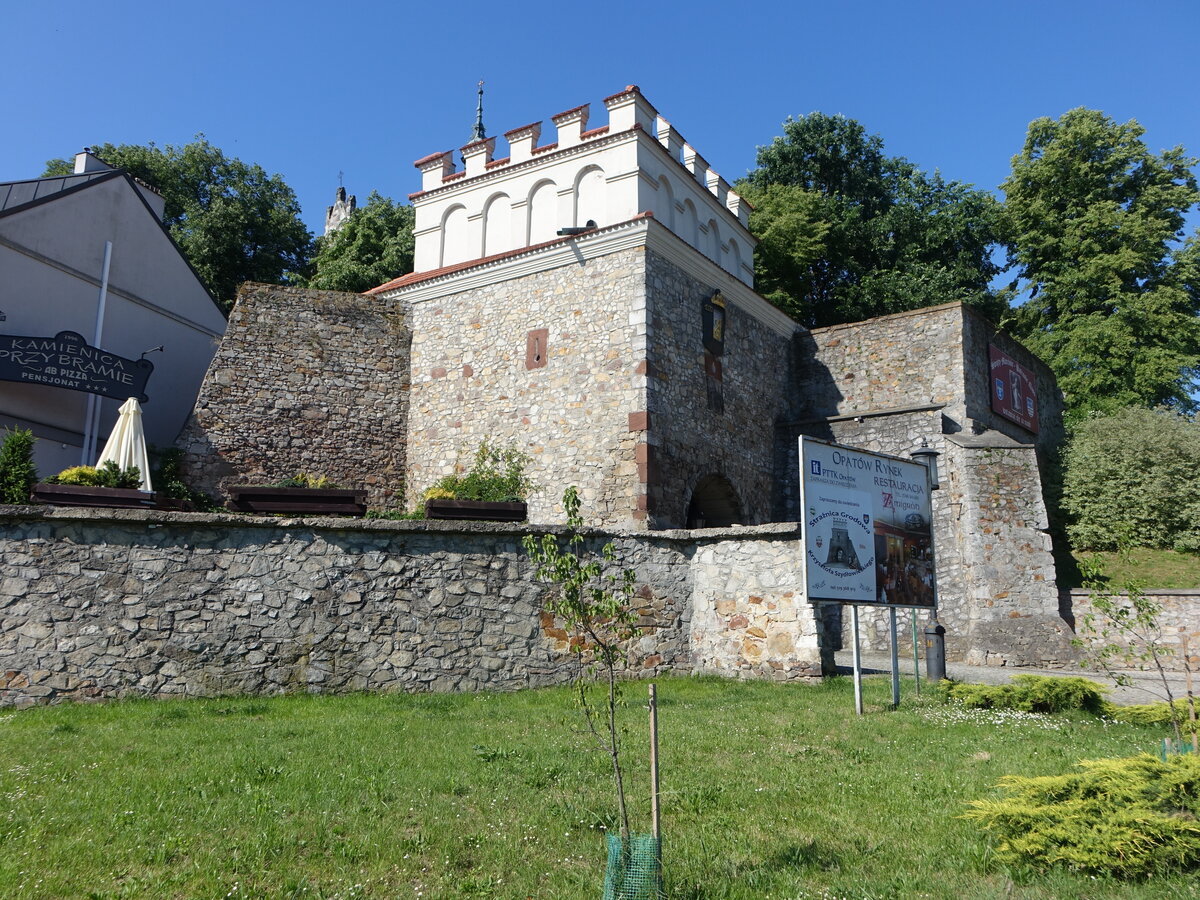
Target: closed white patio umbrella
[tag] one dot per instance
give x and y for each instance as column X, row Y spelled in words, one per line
column 127, row 444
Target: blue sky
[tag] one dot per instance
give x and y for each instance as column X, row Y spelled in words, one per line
column 309, row 89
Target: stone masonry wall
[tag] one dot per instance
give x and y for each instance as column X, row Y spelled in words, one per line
column 890, row 383
column 101, row 603
column 1179, row 623
column 304, row 381
column 1010, row 614
column 688, row 438
column 978, row 332
column 900, row 361
column 547, row 362
column 107, row 603
column 750, row 618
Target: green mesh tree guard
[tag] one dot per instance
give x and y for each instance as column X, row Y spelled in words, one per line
column 635, row 869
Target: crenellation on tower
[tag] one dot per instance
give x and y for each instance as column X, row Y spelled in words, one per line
column 636, row 163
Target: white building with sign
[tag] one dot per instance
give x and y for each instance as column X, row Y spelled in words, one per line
column 55, row 237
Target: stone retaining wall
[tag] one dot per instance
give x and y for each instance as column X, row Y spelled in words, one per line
column 1179, row 622
column 108, row 603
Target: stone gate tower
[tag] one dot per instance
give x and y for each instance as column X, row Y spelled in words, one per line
column 590, row 300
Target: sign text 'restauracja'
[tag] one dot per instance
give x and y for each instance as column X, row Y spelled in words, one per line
column 68, row 361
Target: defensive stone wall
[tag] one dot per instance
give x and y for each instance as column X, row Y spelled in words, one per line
column 891, row 383
column 547, row 362
column 107, row 603
column 710, row 415
column 304, row 381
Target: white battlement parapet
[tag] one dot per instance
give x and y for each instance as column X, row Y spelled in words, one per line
column 477, row 155
column 671, row 139
column 434, row 169
column 696, row 164
column 637, row 163
column 521, row 142
column 629, row 109
column 571, row 125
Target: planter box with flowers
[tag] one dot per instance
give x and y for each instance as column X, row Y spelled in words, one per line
column 302, row 494
column 108, row 486
column 494, row 490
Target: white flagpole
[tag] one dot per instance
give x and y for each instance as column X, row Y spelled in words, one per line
column 92, row 421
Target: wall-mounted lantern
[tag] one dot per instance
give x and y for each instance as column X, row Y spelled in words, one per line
column 927, row 457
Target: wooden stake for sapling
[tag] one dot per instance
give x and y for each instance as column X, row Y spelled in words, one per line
column 654, row 811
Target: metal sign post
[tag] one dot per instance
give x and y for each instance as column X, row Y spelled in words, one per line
column 895, row 649
column 916, row 653
column 858, row 701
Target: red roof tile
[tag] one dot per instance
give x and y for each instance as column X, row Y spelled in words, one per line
column 417, row 277
column 430, row 158
column 565, row 113
column 522, row 128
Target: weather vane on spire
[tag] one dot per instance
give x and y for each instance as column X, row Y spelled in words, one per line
column 479, row 134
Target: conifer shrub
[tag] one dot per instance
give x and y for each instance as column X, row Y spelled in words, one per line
column 17, row 472
column 1130, row 818
column 168, row 480
column 1030, row 693
column 1153, row 714
column 109, row 475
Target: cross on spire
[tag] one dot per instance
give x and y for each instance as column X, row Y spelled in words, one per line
column 478, row 133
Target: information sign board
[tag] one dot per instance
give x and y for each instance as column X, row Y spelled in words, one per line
column 68, row 361
column 868, row 527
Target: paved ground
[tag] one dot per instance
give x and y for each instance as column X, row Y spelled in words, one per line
column 1146, row 687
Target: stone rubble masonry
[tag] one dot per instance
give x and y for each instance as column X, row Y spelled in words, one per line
column 101, row 603
column 471, row 381
column 1179, row 622
column 996, row 578
column 688, row 440
column 304, row 381
column 750, row 618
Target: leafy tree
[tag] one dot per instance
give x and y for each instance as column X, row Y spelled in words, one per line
column 858, row 233
column 1131, row 480
column 1095, row 222
column 17, row 472
column 232, row 220
column 597, row 612
column 372, row 247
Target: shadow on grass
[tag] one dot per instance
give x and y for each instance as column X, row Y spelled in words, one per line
column 778, row 870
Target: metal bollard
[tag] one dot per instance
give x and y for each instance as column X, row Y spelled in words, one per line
column 935, row 650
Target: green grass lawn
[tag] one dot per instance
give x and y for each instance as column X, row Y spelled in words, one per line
column 769, row 792
column 1163, row 569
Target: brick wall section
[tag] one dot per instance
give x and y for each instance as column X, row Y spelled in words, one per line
column 304, row 381
column 107, row 603
column 470, row 381
column 688, row 439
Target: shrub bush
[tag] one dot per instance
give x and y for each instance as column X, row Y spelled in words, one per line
column 1131, row 818
column 109, row 475
column 17, row 473
column 306, row 480
column 168, row 481
column 1131, row 480
column 496, row 476
column 1153, row 714
column 1030, row 693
